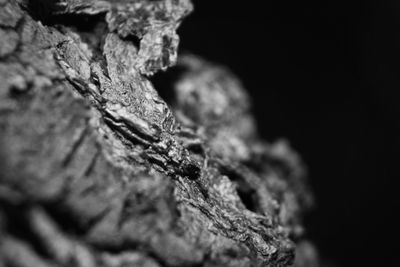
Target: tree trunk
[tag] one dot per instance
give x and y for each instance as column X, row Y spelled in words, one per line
column 107, row 160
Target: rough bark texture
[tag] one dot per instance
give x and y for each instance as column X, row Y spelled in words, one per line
column 99, row 167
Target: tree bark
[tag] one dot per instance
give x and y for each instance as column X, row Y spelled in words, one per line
column 107, row 160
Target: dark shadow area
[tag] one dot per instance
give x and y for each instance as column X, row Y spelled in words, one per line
column 325, row 75
column 46, row 11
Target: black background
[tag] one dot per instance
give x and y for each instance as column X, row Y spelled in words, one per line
column 325, row 75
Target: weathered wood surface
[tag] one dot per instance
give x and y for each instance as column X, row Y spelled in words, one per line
column 97, row 169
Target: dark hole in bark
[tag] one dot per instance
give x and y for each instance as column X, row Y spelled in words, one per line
column 133, row 39
column 90, row 28
column 246, row 193
column 41, row 10
column 87, row 26
column 196, row 148
column 164, row 82
column 45, row 11
column 248, row 199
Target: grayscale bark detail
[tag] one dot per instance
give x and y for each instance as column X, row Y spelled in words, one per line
column 97, row 169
